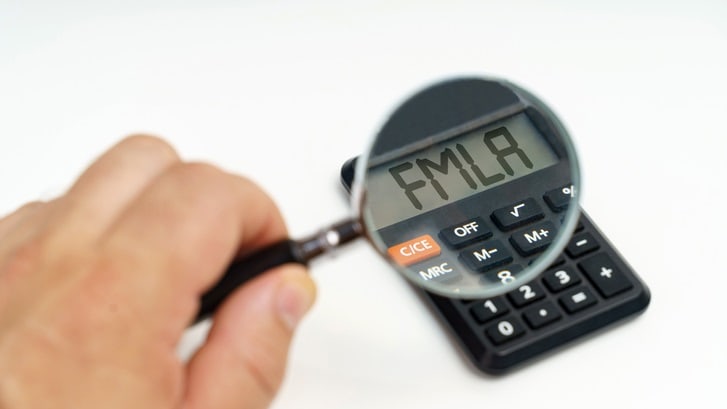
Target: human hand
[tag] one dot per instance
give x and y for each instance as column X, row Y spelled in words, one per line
column 98, row 286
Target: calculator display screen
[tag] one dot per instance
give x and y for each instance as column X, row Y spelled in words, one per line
column 456, row 168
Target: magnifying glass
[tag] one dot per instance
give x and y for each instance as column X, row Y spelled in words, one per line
column 469, row 190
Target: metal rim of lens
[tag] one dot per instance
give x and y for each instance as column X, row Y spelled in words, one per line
column 540, row 263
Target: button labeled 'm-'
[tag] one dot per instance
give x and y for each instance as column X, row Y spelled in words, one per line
column 486, row 256
column 415, row 250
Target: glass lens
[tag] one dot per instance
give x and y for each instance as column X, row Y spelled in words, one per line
column 469, row 188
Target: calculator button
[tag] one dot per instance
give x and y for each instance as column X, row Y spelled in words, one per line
column 533, row 239
column 526, row 294
column 602, row 272
column 504, row 330
column 488, row 309
column 577, row 299
column 517, row 214
column 462, row 234
column 504, row 274
column 486, row 256
column 581, row 244
column 560, row 278
column 440, row 270
column 415, row 250
column 558, row 199
column 541, row 314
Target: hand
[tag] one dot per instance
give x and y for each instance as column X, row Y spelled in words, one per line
column 98, row 285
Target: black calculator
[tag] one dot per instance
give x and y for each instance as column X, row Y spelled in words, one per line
column 588, row 287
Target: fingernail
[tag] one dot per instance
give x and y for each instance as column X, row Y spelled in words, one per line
column 294, row 299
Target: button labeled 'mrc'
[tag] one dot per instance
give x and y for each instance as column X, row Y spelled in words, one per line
column 414, row 250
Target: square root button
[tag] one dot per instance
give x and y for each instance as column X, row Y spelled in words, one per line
column 517, row 214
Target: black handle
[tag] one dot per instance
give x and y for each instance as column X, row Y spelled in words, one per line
column 276, row 254
column 240, row 271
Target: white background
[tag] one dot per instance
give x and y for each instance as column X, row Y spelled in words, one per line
column 284, row 92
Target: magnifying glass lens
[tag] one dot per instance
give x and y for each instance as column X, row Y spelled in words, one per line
column 469, row 189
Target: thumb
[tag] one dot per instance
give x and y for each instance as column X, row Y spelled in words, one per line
column 242, row 363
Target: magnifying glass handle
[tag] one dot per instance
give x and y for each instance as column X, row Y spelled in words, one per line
column 276, row 254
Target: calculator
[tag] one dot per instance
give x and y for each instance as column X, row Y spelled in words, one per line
column 587, row 287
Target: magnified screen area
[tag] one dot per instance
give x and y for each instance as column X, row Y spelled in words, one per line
column 455, row 169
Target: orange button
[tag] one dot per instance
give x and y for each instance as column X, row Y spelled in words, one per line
column 415, row 250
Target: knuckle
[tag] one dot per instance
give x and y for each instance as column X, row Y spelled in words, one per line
column 150, row 144
column 199, row 170
column 201, row 178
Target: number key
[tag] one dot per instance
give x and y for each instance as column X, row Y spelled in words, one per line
column 560, row 278
column 526, row 294
column 504, row 330
column 488, row 309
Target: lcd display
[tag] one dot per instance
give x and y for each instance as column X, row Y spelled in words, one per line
column 456, row 168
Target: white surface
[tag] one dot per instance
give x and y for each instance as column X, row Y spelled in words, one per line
column 285, row 91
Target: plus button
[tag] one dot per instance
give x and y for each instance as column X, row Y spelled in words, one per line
column 605, row 275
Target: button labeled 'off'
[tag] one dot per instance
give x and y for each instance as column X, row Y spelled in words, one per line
column 462, row 234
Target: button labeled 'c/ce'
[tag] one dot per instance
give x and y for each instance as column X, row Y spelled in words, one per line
column 415, row 250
